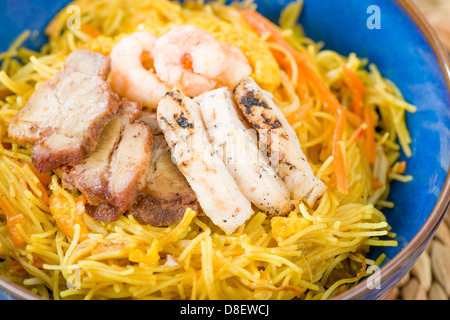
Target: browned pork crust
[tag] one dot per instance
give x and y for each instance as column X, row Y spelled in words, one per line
column 115, row 172
column 63, row 118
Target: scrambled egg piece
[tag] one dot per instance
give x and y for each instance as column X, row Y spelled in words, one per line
column 149, row 257
column 284, row 227
column 101, row 44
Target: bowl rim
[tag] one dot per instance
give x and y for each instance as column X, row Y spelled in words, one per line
column 419, row 241
column 17, row 292
column 416, row 243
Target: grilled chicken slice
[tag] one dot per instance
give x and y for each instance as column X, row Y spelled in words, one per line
column 279, row 141
column 219, row 196
column 113, row 175
column 63, row 118
column 234, row 141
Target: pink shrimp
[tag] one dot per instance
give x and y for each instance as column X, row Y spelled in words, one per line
column 129, row 77
column 237, row 66
column 191, row 60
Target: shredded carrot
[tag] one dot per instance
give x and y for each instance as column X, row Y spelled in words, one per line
column 264, row 27
column 112, row 248
column 376, row 184
column 16, row 269
column 401, row 167
column 307, row 102
column 43, row 196
column 354, row 79
column 15, row 265
column 66, row 216
column 44, row 178
column 302, row 87
column 6, row 207
column 331, row 102
column 370, row 135
column 357, row 104
column 39, row 263
column 363, row 266
column 341, row 289
column 340, row 169
column 353, row 119
column 90, row 30
column 13, row 231
column 296, row 290
column 282, row 60
column 300, row 112
column 13, row 219
column 358, row 89
column 357, row 135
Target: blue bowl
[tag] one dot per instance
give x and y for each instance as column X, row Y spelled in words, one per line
column 406, row 51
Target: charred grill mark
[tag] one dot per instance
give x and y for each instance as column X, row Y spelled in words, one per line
column 174, row 95
column 292, row 207
column 291, row 167
column 268, row 150
column 184, row 123
column 179, row 118
column 168, row 123
column 271, row 123
column 249, row 100
column 185, row 163
column 276, row 124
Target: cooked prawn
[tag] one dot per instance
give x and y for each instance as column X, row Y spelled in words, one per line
column 129, row 77
column 188, row 58
column 237, row 66
column 191, row 60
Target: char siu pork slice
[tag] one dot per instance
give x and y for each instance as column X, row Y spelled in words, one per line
column 63, row 119
column 113, row 175
column 167, row 195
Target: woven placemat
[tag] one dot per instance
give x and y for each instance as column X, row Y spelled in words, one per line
column 437, row 13
column 429, row 279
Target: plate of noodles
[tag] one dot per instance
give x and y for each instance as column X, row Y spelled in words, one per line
column 218, row 150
